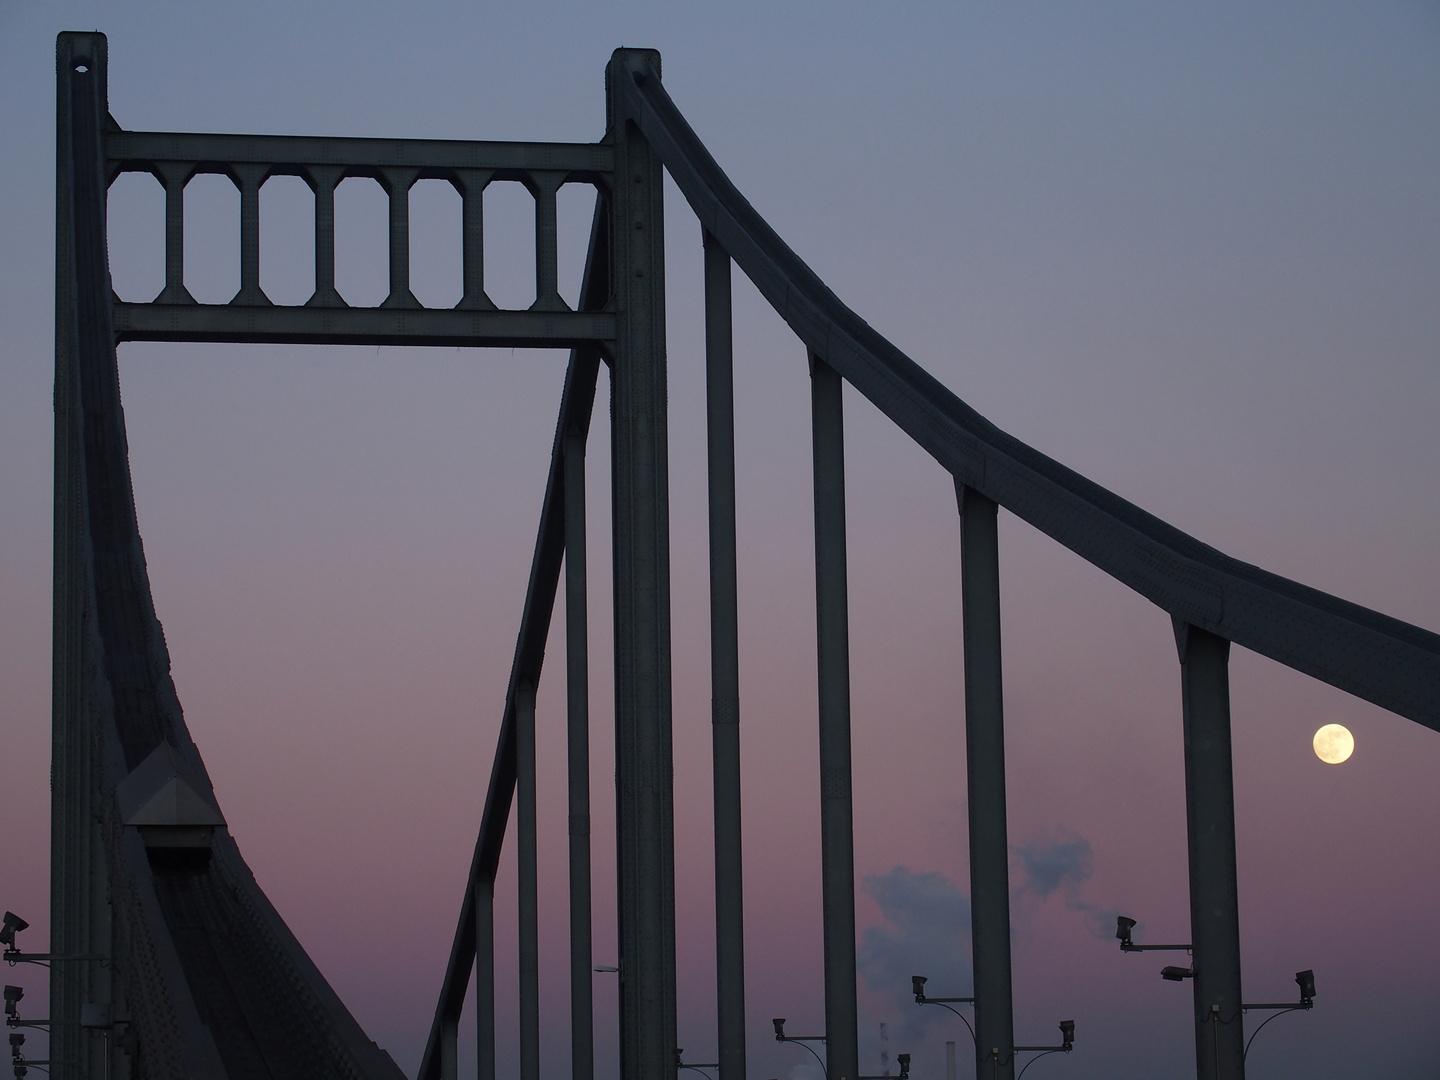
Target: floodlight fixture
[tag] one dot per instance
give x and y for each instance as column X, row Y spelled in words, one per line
column 779, row 1023
column 1123, row 926
column 1067, row 1033
column 917, row 986
column 1176, row 974
column 904, row 1060
column 13, row 925
column 1306, row 981
column 13, row 994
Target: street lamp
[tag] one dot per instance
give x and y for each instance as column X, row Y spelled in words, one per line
column 1305, row 980
column 917, row 986
column 803, row 1040
column 1124, row 925
column 698, row 1066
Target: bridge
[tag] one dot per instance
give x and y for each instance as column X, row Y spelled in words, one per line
column 162, row 939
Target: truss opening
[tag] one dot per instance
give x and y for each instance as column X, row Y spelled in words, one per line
column 362, row 242
column 509, row 245
column 437, row 274
column 574, row 210
column 135, row 226
column 212, row 238
column 287, row 245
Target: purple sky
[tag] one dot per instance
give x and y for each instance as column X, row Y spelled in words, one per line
column 1192, row 252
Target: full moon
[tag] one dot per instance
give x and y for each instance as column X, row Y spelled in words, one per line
column 1334, row 743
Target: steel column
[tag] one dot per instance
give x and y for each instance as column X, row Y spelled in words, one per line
column 832, row 648
column 472, row 213
column 529, row 920
column 1210, row 821
column 80, row 916
column 397, row 183
column 176, row 174
column 724, row 666
column 323, row 181
column 985, row 773
column 577, row 687
column 249, row 178
column 547, row 295
column 640, row 493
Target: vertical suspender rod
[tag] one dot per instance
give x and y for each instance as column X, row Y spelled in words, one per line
column 985, row 771
column 832, row 618
column 1210, row 824
column 724, row 666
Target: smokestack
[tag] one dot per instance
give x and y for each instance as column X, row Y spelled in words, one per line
column 950, row 1061
column 884, row 1050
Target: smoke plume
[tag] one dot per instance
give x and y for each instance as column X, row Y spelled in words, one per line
column 926, row 931
column 1061, row 861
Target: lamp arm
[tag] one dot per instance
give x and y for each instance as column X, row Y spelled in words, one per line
column 1131, row 947
column 802, row 1041
column 957, row 1012
column 1272, row 1016
column 1037, row 1057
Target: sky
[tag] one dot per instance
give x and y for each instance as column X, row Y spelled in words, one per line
column 1190, row 250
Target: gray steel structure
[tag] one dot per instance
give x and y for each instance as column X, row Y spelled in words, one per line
column 205, row 977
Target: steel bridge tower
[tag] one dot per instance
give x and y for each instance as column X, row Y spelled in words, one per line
column 165, row 943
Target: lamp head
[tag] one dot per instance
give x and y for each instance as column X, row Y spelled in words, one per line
column 904, row 1060
column 13, row 994
column 1123, row 925
column 1067, row 1033
column 779, row 1023
column 1175, row 974
column 17, row 1039
column 13, row 925
column 1306, row 981
column 917, row 986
